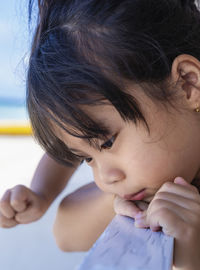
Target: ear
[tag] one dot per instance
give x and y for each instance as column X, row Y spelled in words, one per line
column 186, row 71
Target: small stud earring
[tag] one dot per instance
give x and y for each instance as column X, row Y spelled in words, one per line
column 197, row 109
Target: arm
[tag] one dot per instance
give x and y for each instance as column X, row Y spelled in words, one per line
column 81, row 218
column 21, row 205
column 50, row 178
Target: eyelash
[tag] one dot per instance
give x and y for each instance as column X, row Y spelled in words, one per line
column 103, row 147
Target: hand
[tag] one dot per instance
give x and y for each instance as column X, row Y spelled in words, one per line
column 176, row 209
column 128, row 208
column 20, row 205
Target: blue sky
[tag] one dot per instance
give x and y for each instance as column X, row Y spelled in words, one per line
column 14, row 45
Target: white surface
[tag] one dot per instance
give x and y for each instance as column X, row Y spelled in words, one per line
column 32, row 247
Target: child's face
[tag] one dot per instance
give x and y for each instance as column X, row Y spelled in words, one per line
column 136, row 160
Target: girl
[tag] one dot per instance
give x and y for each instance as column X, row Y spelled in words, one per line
column 117, row 84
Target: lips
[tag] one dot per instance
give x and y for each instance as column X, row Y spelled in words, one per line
column 140, row 195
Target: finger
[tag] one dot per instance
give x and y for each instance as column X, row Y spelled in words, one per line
column 181, row 181
column 188, row 191
column 125, row 207
column 6, row 222
column 186, row 203
column 169, row 222
column 142, row 205
column 29, row 215
column 159, row 204
column 5, row 207
column 165, row 219
column 19, row 197
column 162, row 206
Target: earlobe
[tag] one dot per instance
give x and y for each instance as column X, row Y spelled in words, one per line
column 186, row 72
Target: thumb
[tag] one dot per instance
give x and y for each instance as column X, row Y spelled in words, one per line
column 125, row 207
column 35, row 209
column 31, row 213
column 19, row 198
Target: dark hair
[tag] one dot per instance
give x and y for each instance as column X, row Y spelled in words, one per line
column 85, row 52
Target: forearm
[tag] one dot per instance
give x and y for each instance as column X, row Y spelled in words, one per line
column 50, row 178
column 82, row 217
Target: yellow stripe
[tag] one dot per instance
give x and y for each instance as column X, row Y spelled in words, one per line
column 15, row 130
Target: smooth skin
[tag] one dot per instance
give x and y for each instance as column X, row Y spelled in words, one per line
column 82, row 217
column 138, row 160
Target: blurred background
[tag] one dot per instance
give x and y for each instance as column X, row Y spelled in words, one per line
column 25, row 246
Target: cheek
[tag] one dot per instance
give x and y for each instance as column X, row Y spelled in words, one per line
column 153, row 167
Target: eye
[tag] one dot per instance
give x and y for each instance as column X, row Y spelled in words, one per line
column 82, row 159
column 86, row 159
column 108, row 144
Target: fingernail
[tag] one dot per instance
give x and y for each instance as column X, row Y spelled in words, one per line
column 139, row 215
column 139, row 223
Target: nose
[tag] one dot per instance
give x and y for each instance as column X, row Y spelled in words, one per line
column 111, row 175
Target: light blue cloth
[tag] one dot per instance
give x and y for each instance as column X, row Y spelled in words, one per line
column 122, row 246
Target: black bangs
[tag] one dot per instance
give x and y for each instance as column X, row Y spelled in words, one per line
column 52, row 106
column 86, row 53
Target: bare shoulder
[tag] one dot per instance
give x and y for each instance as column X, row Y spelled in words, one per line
column 86, row 193
column 82, row 216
